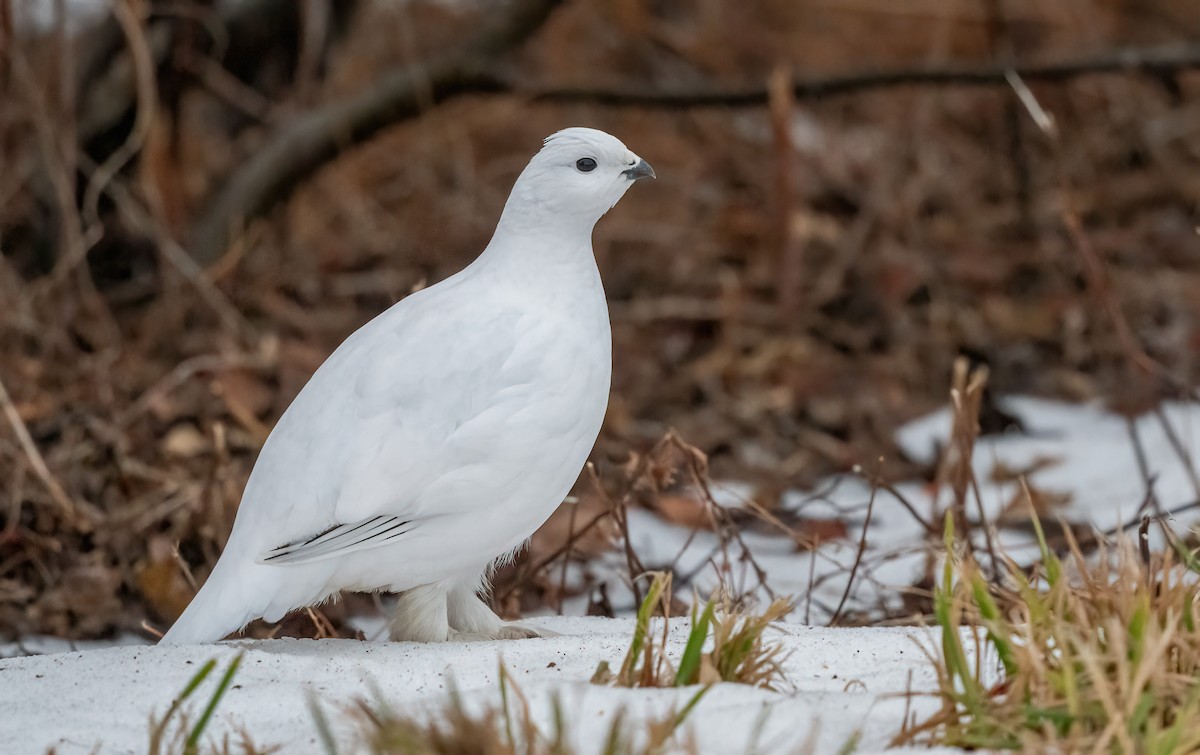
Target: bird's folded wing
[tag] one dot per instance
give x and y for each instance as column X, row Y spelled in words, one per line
column 412, row 416
column 339, row 541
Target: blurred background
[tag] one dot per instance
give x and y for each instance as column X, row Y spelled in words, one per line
column 199, row 200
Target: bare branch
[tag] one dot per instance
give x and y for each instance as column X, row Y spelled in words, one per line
column 1160, row 62
column 53, row 486
column 313, row 139
column 107, row 78
column 309, row 142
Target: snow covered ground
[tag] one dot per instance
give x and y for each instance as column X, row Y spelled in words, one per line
column 847, row 683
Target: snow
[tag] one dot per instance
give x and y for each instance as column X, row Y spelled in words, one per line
column 1082, row 452
column 39, row 16
column 845, row 682
column 1092, row 451
column 42, row 15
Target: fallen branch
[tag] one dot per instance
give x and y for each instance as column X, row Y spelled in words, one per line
column 240, row 32
column 313, row 139
column 1158, row 62
column 308, row 143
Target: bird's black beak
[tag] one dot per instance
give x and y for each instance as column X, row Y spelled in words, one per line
column 641, row 170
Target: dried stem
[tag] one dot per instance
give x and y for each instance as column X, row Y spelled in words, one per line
column 68, row 506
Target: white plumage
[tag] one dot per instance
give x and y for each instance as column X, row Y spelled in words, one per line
column 441, row 434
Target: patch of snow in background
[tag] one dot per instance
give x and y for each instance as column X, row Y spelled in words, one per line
column 48, row 645
column 1081, row 452
column 33, row 16
column 1093, row 454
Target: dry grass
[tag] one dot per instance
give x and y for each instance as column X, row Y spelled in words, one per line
column 738, row 651
column 1096, row 654
column 506, row 729
column 456, row 729
column 1093, row 651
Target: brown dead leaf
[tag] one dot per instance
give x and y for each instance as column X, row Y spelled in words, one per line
column 808, row 533
column 821, row 530
column 184, row 441
column 244, row 389
column 670, row 464
column 161, row 582
column 685, row 510
column 1002, row 472
column 1045, row 503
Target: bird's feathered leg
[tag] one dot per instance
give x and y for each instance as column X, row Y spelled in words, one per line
column 421, row 615
column 469, row 616
column 472, row 620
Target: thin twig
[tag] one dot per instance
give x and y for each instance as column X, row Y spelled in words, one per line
column 812, row 577
column 561, row 550
column 889, row 488
column 303, row 144
column 142, row 57
column 56, row 490
column 173, row 254
column 1149, row 499
column 619, row 511
column 862, row 546
column 562, row 579
column 182, row 373
column 1185, row 458
column 726, row 524
column 1093, row 268
column 1144, row 545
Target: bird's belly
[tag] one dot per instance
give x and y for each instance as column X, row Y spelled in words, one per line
column 535, row 470
column 483, row 512
column 459, row 546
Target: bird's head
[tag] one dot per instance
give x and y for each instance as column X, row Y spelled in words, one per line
column 578, row 175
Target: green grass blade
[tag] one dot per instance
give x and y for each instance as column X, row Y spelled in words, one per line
column 614, row 743
column 193, row 740
column 691, row 704
column 197, row 679
column 689, row 663
column 159, row 728
column 507, row 711
column 321, row 721
column 850, row 746
column 641, row 628
column 944, row 614
column 990, row 613
column 1051, row 562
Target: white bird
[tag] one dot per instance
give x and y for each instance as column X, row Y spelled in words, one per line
column 439, row 436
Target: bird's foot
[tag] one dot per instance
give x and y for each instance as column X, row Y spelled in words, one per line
column 509, row 630
column 512, row 630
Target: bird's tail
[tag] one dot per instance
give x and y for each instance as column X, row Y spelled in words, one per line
column 216, row 611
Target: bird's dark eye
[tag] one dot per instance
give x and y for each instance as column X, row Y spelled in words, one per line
column 585, row 164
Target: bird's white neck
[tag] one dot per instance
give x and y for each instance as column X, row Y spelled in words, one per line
column 540, row 246
column 544, row 240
